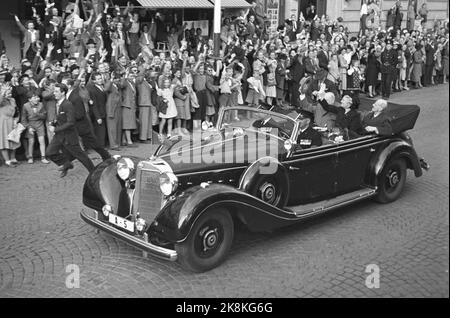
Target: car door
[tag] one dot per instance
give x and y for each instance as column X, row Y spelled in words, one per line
column 353, row 159
column 312, row 174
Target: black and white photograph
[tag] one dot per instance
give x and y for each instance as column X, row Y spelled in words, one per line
column 224, row 154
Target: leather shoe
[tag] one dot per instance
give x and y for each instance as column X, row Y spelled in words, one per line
column 65, row 169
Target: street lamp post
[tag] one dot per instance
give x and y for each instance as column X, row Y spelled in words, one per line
column 217, row 25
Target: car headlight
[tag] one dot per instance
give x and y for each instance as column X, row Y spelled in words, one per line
column 168, row 183
column 125, row 167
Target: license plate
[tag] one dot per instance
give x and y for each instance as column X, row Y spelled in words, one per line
column 121, row 222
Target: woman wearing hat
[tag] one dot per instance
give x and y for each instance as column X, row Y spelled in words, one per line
column 416, row 73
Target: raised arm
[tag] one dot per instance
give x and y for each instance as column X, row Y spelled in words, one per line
column 19, row 24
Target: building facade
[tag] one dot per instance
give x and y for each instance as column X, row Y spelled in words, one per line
column 349, row 10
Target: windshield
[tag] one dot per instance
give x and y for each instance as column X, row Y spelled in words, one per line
column 278, row 124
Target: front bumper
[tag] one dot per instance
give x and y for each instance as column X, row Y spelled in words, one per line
column 155, row 250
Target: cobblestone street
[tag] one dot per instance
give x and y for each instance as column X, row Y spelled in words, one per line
column 41, row 233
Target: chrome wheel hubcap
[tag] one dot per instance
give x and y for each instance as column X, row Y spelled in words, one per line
column 210, row 239
column 393, row 178
column 268, row 192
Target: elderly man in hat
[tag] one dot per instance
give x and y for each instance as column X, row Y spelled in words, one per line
column 389, row 60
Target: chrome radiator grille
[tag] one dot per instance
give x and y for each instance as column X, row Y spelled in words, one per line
column 148, row 196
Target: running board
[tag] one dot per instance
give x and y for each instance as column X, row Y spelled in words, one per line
column 325, row 205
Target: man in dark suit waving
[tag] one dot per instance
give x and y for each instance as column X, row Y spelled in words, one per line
column 64, row 144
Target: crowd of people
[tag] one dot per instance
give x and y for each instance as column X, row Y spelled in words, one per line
column 111, row 76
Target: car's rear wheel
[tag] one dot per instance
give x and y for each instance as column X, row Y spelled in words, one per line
column 391, row 181
column 208, row 242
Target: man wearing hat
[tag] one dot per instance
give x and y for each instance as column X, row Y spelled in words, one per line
column 307, row 136
column 389, row 60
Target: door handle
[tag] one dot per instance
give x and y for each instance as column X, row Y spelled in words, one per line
column 372, row 149
column 293, row 168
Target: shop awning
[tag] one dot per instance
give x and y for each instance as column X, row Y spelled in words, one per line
column 176, row 4
column 191, row 4
column 234, row 4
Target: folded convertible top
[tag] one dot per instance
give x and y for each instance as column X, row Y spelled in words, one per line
column 403, row 117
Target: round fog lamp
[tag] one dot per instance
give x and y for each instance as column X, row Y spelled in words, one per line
column 140, row 224
column 107, row 209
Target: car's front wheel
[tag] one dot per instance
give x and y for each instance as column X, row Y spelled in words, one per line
column 208, row 242
column 391, row 181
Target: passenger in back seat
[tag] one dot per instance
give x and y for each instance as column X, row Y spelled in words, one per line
column 348, row 118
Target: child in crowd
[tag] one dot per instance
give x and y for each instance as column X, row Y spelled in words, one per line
column 166, row 92
column 33, row 119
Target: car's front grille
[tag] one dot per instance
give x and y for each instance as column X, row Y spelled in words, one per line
column 148, row 196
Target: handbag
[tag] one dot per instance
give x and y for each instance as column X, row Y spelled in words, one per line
column 162, row 105
column 14, row 135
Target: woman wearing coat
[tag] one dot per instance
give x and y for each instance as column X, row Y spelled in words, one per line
column 128, row 88
column 7, row 124
column 416, row 73
column 114, row 111
column 373, row 70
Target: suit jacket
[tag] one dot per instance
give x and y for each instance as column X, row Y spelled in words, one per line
column 429, row 57
column 323, row 60
column 297, row 71
column 309, row 138
column 114, row 99
column 65, row 130
column 310, row 68
column 26, row 41
column 81, row 120
column 144, row 92
column 350, row 120
column 382, row 122
column 98, row 98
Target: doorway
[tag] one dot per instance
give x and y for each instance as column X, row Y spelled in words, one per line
column 311, row 8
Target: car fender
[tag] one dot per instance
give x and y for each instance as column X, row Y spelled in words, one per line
column 396, row 149
column 103, row 186
column 177, row 217
column 265, row 166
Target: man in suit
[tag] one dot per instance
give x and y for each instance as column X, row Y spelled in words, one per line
column 30, row 36
column 322, row 56
column 389, row 60
column 98, row 106
column 311, row 63
column 65, row 144
column 307, row 136
column 297, row 72
column 81, row 120
column 377, row 121
column 429, row 62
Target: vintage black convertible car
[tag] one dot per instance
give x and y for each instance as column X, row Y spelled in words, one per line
column 182, row 202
